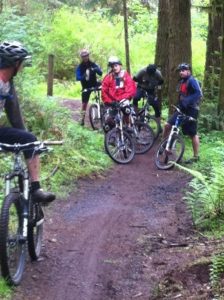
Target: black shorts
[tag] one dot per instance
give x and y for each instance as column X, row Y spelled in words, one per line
column 10, row 135
column 188, row 127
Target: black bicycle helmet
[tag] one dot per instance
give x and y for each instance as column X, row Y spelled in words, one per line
column 114, row 60
column 183, row 66
column 151, row 69
column 11, row 52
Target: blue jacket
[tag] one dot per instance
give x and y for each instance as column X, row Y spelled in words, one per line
column 86, row 73
column 190, row 93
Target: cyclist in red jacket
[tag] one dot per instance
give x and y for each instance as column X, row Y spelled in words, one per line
column 117, row 84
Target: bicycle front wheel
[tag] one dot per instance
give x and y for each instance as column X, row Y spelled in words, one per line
column 12, row 243
column 144, row 138
column 165, row 159
column 35, row 229
column 121, row 151
column 154, row 125
column 95, row 117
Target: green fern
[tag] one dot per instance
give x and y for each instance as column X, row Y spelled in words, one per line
column 216, row 269
column 205, row 196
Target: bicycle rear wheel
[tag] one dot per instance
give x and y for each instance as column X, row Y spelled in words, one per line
column 120, row 151
column 35, row 229
column 165, row 159
column 12, row 243
column 95, row 117
column 144, row 138
column 154, row 125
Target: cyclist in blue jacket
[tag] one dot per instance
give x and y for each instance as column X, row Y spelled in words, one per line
column 86, row 73
column 13, row 57
column 190, row 95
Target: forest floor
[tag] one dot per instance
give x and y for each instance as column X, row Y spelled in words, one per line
column 126, row 234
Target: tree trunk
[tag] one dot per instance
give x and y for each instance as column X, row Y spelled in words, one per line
column 212, row 65
column 125, row 13
column 179, row 42
column 221, row 85
column 161, row 57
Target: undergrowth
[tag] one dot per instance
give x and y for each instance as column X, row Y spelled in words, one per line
column 205, row 198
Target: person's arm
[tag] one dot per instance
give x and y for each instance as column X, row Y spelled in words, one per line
column 195, row 94
column 159, row 77
column 105, row 90
column 139, row 76
column 78, row 74
column 97, row 69
column 130, row 87
column 13, row 111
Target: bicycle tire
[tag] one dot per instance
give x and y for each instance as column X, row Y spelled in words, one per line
column 119, row 152
column 95, row 117
column 12, row 245
column 35, row 230
column 144, row 139
column 164, row 160
column 154, row 125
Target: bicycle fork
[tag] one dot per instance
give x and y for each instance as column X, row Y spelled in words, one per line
column 174, row 130
column 24, row 190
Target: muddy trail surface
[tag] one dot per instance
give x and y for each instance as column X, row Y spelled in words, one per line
column 124, row 235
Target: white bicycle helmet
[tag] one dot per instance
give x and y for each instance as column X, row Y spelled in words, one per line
column 113, row 60
column 84, row 52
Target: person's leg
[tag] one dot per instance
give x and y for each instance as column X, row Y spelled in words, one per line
column 14, row 135
column 85, row 100
column 137, row 97
column 195, row 145
column 155, row 104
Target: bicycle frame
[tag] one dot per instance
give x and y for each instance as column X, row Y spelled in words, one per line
column 20, row 172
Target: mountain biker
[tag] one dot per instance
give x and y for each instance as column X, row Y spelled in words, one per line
column 13, row 57
column 116, row 85
column 189, row 98
column 148, row 79
column 86, row 74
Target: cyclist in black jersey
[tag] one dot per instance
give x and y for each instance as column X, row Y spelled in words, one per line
column 13, row 57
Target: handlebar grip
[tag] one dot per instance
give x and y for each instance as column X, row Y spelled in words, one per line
column 53, row 142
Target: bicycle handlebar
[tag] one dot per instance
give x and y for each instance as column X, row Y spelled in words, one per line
column 180, row 112
column 95, row 88
column 17, row 147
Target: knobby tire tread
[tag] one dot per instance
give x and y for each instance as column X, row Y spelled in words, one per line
column 11, row 279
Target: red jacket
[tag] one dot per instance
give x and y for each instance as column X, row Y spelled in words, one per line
column 116, row 90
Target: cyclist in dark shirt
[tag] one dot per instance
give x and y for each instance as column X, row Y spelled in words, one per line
column 13, row 57
column 148, row 79
column 189, row 98
column 86, row 73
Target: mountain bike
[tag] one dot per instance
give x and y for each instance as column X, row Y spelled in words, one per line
column 145, row 116
column 118, row 143
column 96, row 108
column 141, row 132
column 21, row 220
column 171, row 149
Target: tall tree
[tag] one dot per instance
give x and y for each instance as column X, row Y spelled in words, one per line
column 221, row 85
column 162, row 42
column 173, row 42
column 212, row 65
column 125, row 13
column 179, row 49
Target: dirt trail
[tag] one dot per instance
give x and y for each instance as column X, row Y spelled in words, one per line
column 125, row 235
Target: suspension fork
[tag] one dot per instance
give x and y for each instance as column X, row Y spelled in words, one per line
column 174, row 130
